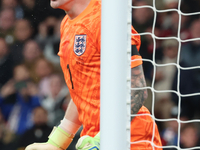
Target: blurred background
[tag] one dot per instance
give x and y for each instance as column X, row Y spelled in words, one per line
column 34, row 96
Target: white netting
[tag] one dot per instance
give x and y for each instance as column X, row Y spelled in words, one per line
column 155, row 65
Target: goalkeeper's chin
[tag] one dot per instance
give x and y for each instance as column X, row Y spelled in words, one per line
column 55, row 4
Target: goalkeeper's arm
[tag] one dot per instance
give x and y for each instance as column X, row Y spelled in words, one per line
column 61, row 136
column 137, row 96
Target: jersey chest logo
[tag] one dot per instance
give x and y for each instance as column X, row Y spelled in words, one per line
column 80, row 44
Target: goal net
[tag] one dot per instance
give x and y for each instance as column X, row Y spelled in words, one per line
column 170, row 47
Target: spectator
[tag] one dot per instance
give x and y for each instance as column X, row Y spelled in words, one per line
column 40, row 130
column 49, row 37
column 7, row 20
column 43, row 68
column 6, row 63
column 22, row 32
column 42, row 71
column 7, row 138
column 142, row 18
column 48, row 31
column 14, row 4
column 170, row 24
column 169, row 21
column 147, row 49
column 54, row 103
column 31, row 12
column 170, row 4
column 164, row 78
column 189, row 79
column 2, row 129
column 169, row 134
column 25, row 100
column 8, row 3
column 189, row 137
column 31, row 52
column 37, row 11
column 7, row 98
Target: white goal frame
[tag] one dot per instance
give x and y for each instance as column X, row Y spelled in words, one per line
column 115, row 75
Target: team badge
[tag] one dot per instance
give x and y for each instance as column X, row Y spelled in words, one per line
column 79, row 44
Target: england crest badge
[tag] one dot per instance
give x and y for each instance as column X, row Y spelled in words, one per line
column 80, row 44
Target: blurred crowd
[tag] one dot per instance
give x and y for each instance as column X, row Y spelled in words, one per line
column 34, row 96
column 33, row 93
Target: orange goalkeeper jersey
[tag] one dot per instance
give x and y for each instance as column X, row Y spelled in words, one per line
column 80, row 61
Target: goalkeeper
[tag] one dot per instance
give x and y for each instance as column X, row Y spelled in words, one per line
column 80, row 61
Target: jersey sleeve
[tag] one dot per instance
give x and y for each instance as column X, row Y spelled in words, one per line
column 136, row 59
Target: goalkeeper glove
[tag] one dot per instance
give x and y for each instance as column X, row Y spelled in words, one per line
column 58, row 140
column 88, row 143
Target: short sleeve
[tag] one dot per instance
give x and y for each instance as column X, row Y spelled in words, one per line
column 136, row 59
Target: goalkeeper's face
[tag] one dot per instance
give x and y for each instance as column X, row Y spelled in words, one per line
column 61, row 4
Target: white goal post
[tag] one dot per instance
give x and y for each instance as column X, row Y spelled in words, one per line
column 115, row 77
